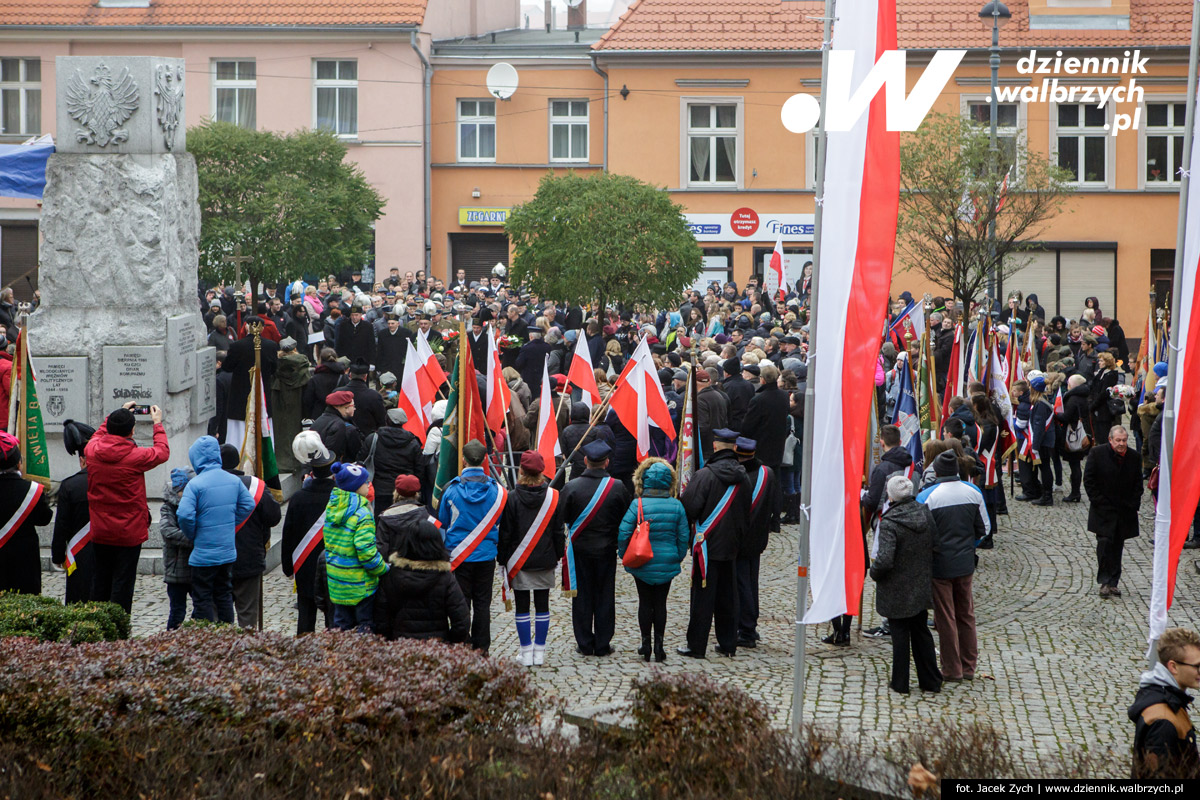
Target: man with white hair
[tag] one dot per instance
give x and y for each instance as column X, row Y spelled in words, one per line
column 903, row 573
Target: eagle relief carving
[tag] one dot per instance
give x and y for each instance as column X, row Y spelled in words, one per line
column 101, row 105
column 168, row 88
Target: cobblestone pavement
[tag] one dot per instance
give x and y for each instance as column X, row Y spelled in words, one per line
column 1057, row 665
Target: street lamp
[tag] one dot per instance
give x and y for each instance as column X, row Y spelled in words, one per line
column 995, row 14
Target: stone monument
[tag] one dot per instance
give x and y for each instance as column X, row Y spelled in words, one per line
column 120, row 227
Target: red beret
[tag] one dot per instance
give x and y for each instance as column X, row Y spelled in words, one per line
column 559, row 379
column 407, row 485
column 339, row 398
column 532, row 461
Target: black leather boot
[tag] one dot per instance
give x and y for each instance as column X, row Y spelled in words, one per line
column 644, row 650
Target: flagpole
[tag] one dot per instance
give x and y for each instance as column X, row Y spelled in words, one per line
column 1168, row 426
column 810, row 398
column 462, row 376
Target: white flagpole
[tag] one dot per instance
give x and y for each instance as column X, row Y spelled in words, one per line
column 810, row 399
column 1168, row 426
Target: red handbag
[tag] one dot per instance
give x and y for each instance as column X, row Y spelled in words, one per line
column 639, row 552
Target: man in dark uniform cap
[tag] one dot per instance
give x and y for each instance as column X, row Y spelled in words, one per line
column 765, row 503
column 592, row 507
column 71, row 518
column 717, row 502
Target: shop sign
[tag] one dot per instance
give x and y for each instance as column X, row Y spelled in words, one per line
column 746, row 224
column 483, row 216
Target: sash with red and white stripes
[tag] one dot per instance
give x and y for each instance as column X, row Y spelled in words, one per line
column 990, row 474
column 22, row 514
column 257, row 488
column 480, row 531
column 79, row 541
column 314, row 537
column 534, row 535
column 760, row 486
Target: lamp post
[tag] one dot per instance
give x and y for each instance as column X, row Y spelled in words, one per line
column 995, row 14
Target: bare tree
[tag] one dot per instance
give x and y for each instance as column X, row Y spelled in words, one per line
column 952, row 189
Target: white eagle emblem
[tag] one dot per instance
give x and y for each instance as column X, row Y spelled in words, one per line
column 103, row 108
column 168, row 88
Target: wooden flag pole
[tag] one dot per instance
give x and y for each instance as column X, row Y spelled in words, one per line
column 463, row 425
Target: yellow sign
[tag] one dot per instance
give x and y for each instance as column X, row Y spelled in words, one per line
column 482, row 216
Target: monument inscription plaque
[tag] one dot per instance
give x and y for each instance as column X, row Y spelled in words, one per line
column 204, row 393
column 184, row 335
column 134, row 373
column 62, row 383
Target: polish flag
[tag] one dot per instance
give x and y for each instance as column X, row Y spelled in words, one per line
column 639, row 402
column 1179, row 492
column 775, row 280
column 547, row 431
column 582, row 374
column 430, row 374
column 410, row 398
column 861, row 200
column 499, row 395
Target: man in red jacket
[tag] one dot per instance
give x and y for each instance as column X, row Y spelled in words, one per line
column 119, row 513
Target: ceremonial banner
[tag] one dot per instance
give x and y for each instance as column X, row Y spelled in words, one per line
column 860, row 202
column 25, row 416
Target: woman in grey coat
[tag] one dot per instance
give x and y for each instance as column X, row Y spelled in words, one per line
column 903, row 573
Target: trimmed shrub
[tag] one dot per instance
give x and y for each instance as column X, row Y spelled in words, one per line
column 45, row 618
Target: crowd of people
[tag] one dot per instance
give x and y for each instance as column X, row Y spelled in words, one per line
column 370, row 550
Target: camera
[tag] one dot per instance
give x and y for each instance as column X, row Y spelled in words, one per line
column 142, row 410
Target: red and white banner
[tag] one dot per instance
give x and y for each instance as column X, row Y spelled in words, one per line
column 315, row 535
column 1179, row 491
column 638, row 400
column 547, row 430
column 433, row 374
column 74, row 547
column 859, row 207
column 256, row 487
column 582, row 374
column 775, row 276
column 499, row 397
column 411, row 398
column 22, row 513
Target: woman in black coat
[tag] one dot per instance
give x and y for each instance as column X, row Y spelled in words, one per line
column 1106, row 378
column 419, row 597
column 903, row 573
column 72, row 514
column 532, row 501
column 1075, row 409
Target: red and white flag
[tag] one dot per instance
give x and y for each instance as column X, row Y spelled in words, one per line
column 582, row 374
column 411, row 398
column 547, row 430
column 498, row 393
column 775, row 278
column 434, row 375
column 859, row 208
column 638, row 400
column 1179, row 490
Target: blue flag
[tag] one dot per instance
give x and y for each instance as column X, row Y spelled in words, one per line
column 907, row 418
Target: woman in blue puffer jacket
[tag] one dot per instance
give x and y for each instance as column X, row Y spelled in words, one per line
column 669, row 535
column 214, row 503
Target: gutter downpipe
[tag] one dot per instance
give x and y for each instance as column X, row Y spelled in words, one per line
column 426, row 148
column 603, row 74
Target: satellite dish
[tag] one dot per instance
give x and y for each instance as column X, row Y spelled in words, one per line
column 502, row 80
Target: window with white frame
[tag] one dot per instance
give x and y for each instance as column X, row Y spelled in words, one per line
column 568, row 130
column 1007, row 128
column 1082, row 142
column 337, row 96
column 476, row 130
column 235, row 93
column 712, row 139
column 1164, row 142
column 20, row 96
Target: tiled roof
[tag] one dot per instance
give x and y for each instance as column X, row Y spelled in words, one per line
column 765, row 25
column 181, row 13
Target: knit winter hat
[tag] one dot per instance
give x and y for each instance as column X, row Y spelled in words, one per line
column 10, row 450
column 349, row 477
column 945, row 464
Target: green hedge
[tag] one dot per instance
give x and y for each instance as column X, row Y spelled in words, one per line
column 45, row 618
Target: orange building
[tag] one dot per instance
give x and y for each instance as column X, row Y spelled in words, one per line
column 686, row 94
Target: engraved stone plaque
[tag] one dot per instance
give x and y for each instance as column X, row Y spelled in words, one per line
column 134, row 373
column 184, row 335
column 204, row 393
column 62, row 385
column 119, row 104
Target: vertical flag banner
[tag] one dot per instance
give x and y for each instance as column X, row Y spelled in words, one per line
column 860, row 201
column 499, row 397
column 410, row 397
column 448, row 454
column 547, row 432
column 1179, row 490
column 582, row 374
column 775, row 277
column 25, row 416
column 907, row 416
column 688, row 459
column 638, row 400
